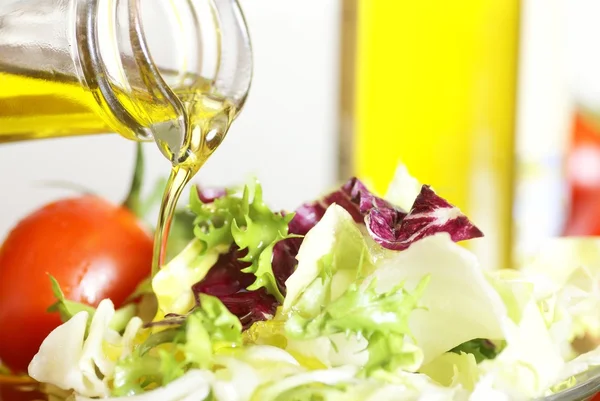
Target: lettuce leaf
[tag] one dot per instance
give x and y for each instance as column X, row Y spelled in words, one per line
column 453, row 369
column 338, row 385
column 480, row 348
column 318, row 353
column 195, row 385
column 556, row 261
column 67, row 309
column 382, row 319
column 189, row 342
column 565, row 275
column 459, row 301
column 403, row 189
column 173, row 283
column 529, row 364
column 325, row 295
column 82, row 359
column 282, row 389
column 328, row 263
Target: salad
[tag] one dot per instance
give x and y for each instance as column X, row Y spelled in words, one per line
column 351, row 297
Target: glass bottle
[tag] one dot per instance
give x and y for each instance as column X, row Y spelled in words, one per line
column 144, row 69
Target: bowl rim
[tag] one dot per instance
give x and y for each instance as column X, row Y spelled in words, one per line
column 588, row 385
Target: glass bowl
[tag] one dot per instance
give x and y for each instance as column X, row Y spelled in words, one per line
column 588, row 385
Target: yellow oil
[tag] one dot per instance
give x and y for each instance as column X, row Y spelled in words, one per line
column 37, row 106
column 209, row 120
column 33, row 106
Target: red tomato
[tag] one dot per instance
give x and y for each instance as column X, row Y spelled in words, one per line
column 93, row 248
column 596, row 397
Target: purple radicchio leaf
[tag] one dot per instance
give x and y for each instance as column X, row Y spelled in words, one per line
column 226, row 281
column 284, row 260
column 429, row 215
column 389, row 225
column 284, row 253
column 208, row 195
column 354, row 197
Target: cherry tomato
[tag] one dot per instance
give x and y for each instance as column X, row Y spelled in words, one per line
column 93, row 248
column 596, row 397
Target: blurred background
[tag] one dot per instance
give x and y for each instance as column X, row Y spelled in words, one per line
column 494, row 103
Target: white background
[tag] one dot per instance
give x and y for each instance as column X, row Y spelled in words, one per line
column 559, row 67
column 286, row 134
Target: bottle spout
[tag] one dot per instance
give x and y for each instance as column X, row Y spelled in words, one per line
column 170, row 138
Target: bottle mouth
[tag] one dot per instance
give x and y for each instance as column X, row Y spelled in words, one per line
column 145, row 61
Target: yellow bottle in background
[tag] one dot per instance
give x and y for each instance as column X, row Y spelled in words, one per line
column 436, row 89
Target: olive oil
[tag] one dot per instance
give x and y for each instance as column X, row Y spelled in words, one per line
column 38, row 105
column 209, row 120
column 35, row 105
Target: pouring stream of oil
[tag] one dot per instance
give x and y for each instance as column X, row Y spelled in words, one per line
column 180, row 176
column 208, row 122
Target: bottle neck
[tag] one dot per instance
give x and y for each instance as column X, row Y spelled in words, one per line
column 114, row 64
column 154, row 83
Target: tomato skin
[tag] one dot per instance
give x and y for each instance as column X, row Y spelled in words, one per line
column 93, row 248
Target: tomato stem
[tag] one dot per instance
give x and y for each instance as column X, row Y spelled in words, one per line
column 133, row 200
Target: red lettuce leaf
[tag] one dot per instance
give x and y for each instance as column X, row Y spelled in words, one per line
column 389, row 225
column 226, row 281
column 208, row 195
column 284, row 260
column 429, row 215
column 355, row 198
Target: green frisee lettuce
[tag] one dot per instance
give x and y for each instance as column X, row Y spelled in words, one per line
column 246, row 222
column 168, row 354
column 67, row 309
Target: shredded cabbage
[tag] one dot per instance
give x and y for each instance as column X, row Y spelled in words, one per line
column 70, row 358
